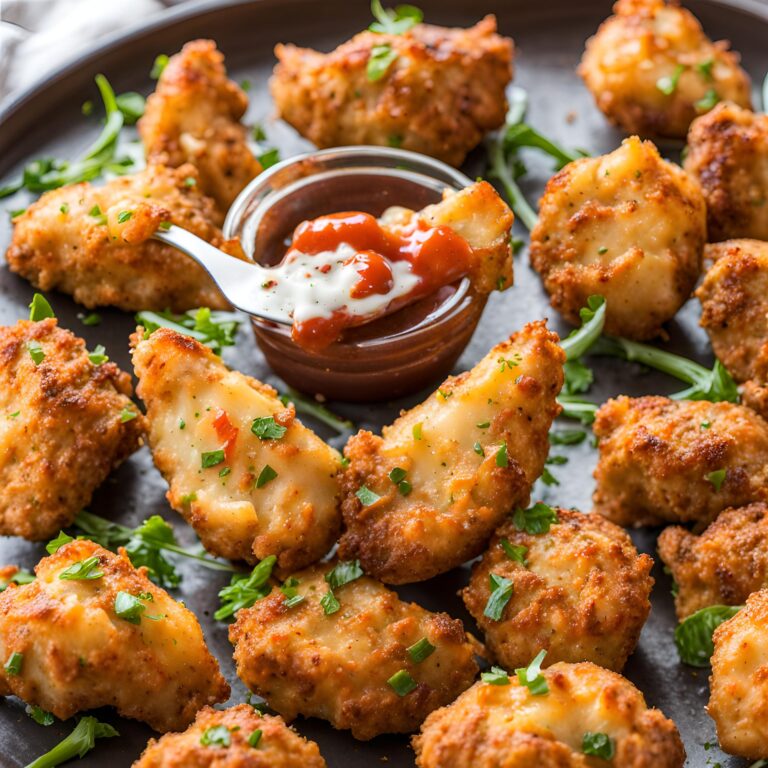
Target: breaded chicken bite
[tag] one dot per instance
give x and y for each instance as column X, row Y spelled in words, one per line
column 65, row 425
column 665, row 460
column 194, row 117
column 351, row 652
column 238, row 737
column 738, row 701
column 578, row 590
column 734, row 313
column 432, row 89
column 728, row 154
column 427, row 495
column 722, row 566
column 94, row 242
column 92, row 631
column 652, row 69
column 586, row 711
column 249, row 477
column 629, row 226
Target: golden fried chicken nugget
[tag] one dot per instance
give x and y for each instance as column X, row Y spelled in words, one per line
column 728, row 154
column 580, row 591
column 238, row 737
column 194, row 117
column 652, row 69
column 738, row 701
column 629, row 226
column 722, row 566
column 734, row 313
column 81, row 240
column 249, row 477
column 442, row 91
column 427, row 495
column 506, row 726
column 66, row 424
column 360, row 657
column 665, row 460
column 93, row 631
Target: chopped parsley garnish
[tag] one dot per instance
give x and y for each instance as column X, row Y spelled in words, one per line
column 14, row 663
column 578, row 377
column 266, row 428
column 394, row 21
column 366, row 496
column 668, row 84
column 160, row 63
column 343, row 573
column 598, row 745
column 124, row 216
column 225, row 471
column 245, row 589
column 254, row 738
column 502, row 460
column 693, row 635
column 501, row 592
column 418, row 431
column 212, row 328
column 292, row 596
column 210, row 459
column 39, row 308
column 478, row 449
column 35, row 352
column 483, row 424
column 77, row 744
column 548, row 478
column 130, row 607
column 20, row 577
column 127, row 414
column 329, row 603
column 716, row 478
column 83, row 570
column 39, row 715
column 190, row 181
column 54, row 545
column 98, row 356
column 531, row 676
column 379, row 62
column 514, row 552
column 421, row 650
column 402, row 683
column 93, row 318
column 216, row 736
column 506, row 363
column 535, row 520
column 397, row 476
column 567, row 437
column 269, row 158
column 496, row 676
column 708, row 101
column 704, row 68
column 705, row 424
column 267, row 475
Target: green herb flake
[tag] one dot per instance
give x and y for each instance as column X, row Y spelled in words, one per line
column 130, row 607
column 39, row 308
column 514, row 552
column 495, row 676
column 397, row 476
column 421, row 650
column 269, row 158
column 535, row 520
column 124, row 216
column 93, row 318
column 502, row 460
column 245, row 589
column 598, row 745
column 14, row 663
column 329, row 603
column 98, row 356
column 531, row 676
column 254, row 739
column 668, row 84
column 704, row 68
column 127, row 414
column 478, row 449
column 35, row 352
column 190, row 181
column 266, row 428
column 716, row 478
column 292, row 596
column 84, row 570
column 64, row 208
column 693, row 635
column 366, row 496
column 344, row 572
column 382, row 57
column 210, row 459
column 394, row 21
column 216, row 736
column 402, row 683
column 708, row 101
column 39, row 715
column 160, row 63
column 417, row 431
column 56, row 544
column 501, row 592
column 267, row 475
column 567, row 437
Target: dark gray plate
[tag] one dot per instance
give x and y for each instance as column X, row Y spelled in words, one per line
column 550, row 37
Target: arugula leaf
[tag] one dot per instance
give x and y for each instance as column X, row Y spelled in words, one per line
column 693, row 635
column 245, row 589
column 77, row 744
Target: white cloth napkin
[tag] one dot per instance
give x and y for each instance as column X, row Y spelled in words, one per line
column 38, row 36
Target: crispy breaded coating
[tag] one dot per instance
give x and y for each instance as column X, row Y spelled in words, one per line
column 738, row 701
column 505, row 726
column 734, row 313
column 652, row 69
column 469, row 455
column 275, row 745
column 665, row 460
column 194, row 117
column 337, row 666
column 581, row 593
column 79, row 654
column 441, row 94
column 728, row 154
column 629, row 226
column 61, row 427
column 722, row 566
column 70, row 240
column 246, row 496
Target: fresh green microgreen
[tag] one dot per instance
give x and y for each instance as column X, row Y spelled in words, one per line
column 394, row 21
column 216, row 736
column 495, row 676
column 580, row 341
column 343, row 573
column 77, row 744
column 132, row 105
column 502, row 459
column 292, row 596
column 98, row 356
column 421, row 650
column 35, row 352
column 531, row 676
column 382, row 57
column 535, row 520
column 668, row 84
column 266, row 428
column 317, row 411
column 93, row 318
column 267, row 475
column 131, row 608
column 515, row 552
column 716, row 478
column 254, row 738
column 83, row 570
column 159, row 65
column 39, row 715
column 39, row 308
column 693, row 635
column 124, row 216
column 269, row 158
column 127, row 414
column 20, row 577
column 245, row 589
column 598, row 745
column 329, row 603
column 210, row 459
column 213, row 329
column 56, row 544
column 366, row 496
column 501, row 592
column 567, row 437
column 418, row 431
column 704, row 68
column 709, row 100
column 402, row 683
column 14, row 664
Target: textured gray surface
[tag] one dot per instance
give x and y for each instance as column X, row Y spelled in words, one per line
column 550, row 38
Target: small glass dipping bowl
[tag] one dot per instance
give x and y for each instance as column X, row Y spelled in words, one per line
column 389, row 357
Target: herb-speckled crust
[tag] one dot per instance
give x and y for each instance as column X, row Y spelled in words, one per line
column 656, row 453
column 458, row 497
column 582, row 595
column 194, row 116
column 336, row 667
column 440, row 96
column 734, row 313
column 294, row 516
column 628, row 226
column 278, row 747
column 722, row 566
column 61, row 432
column 738, row 684
column 728, row 154
column 79, row 655
column 58, row 244
column 647, row 40
column 504, row 726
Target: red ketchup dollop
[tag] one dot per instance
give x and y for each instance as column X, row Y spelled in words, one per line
column 438, row 256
